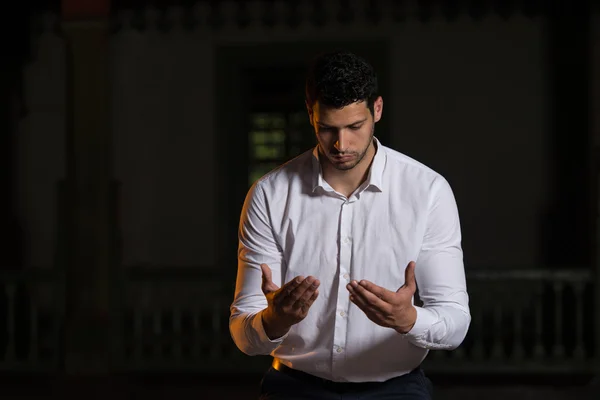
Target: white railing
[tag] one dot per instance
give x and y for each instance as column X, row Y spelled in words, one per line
column 177, row 320
column 526, row 321
column 523, row 321
column 31, row 320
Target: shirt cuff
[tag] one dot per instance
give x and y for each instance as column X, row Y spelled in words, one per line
column 257, row 325
column 425, row 320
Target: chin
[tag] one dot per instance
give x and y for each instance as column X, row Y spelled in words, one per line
column 344, row 166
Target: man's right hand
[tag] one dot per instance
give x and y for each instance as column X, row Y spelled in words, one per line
column 287, row 305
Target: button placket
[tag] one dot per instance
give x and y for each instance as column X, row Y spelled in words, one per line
column 345, row 258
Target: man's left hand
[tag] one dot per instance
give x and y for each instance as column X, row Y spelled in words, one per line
column 384, row 307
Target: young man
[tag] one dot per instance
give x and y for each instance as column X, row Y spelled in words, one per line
column 332, row 245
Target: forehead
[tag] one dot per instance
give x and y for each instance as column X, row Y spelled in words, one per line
column 345, row 115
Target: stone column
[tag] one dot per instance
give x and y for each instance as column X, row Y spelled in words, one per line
column 569, row 229
column 11, row 103
column 85, row 26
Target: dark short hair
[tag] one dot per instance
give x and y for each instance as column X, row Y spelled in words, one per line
column 340, row 78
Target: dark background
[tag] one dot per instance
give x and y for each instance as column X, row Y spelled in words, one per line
column 131, row 131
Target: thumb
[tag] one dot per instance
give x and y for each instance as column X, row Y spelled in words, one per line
column 267, row 279
column 410, row 282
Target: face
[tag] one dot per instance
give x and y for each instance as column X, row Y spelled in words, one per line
column 345, row 135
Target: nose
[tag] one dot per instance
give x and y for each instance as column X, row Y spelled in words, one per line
column 341, row 144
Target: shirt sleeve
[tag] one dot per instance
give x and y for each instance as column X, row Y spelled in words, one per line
column 257, row 245
column 444, row 318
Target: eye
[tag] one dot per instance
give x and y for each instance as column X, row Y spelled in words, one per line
column 355, row 127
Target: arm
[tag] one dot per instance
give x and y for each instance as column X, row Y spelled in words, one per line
column 256, row 246
column 443, row 320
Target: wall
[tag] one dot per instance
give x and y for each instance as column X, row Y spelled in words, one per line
column 163, row 127
column 469, row 100
column 471, row 104
column 41, row 143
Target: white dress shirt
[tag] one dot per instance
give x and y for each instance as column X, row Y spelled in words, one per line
column 296, row 223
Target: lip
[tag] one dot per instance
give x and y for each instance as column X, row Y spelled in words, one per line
column 343, row 158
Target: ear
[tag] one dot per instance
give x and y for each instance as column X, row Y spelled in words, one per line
column 377, row 109
column 310, row 112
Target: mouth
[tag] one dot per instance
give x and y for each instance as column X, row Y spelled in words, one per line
column 344, row 158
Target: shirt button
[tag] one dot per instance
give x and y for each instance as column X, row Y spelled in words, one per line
column 339, row 349
column 347, row 240
column 346, row 276
column 342, row 313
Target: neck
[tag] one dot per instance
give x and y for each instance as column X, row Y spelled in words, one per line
column 347, row 181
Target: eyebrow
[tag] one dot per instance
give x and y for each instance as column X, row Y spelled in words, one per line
column 347, row 126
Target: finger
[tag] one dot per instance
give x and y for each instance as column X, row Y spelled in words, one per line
column 307, row 304
column 310, row 291
column 267, row 279
column 287, row 289
column 369, row 299
column 304, row 292
column 291, row 285
column 378, row 291
column 293, row 295
column 371, row 313
column 410, row 283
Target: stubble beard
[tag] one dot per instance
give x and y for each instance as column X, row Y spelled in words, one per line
column 361, row 155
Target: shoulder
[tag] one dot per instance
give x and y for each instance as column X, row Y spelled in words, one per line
column 401, row 165
column 298, row 169
column 412, row 179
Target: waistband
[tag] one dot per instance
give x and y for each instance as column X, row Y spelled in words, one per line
column 331, row 385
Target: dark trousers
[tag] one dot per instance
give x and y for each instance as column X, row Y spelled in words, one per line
column 295, row 385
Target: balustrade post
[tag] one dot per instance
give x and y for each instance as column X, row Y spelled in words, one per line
column 558, row 349
column 579, row 351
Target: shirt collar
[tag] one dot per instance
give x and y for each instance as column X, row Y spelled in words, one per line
column 374, row 178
